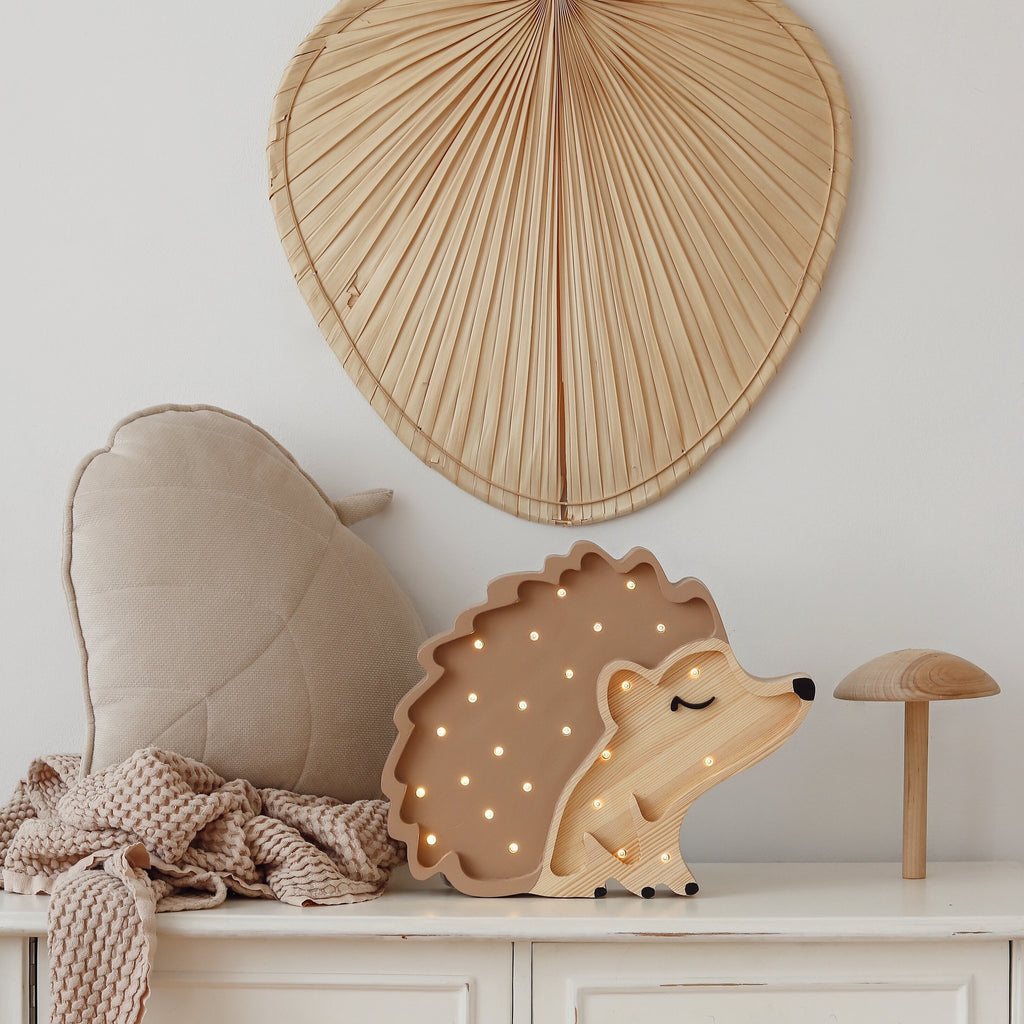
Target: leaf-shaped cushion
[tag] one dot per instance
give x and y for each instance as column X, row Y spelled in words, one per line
column 226, row 612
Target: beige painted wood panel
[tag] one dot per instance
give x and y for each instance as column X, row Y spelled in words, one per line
column 13, row 980
column 954, row 982
column 295, row 981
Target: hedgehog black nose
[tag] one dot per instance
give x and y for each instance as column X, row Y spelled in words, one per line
column 804, row 688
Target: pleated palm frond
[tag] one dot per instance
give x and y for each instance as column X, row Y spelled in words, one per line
column 560, row 245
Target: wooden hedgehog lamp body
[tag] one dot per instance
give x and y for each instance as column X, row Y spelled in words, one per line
column 565, row 727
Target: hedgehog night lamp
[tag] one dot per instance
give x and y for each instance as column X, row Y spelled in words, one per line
column 566, row 725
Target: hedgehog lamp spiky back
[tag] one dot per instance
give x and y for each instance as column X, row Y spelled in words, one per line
column 565, row 726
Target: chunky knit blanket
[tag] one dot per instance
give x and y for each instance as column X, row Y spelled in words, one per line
column 162, row 832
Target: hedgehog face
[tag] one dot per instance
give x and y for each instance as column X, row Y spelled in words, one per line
column 675, row 731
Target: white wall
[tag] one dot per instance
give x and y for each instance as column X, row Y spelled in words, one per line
column 873, row 500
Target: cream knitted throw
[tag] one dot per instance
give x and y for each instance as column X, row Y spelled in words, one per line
column 162, row 832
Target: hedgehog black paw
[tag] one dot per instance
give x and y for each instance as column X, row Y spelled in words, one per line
column 647, row 892
column 600, row 892
column 692, row 888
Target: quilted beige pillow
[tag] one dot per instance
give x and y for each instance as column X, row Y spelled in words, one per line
column 226, row 612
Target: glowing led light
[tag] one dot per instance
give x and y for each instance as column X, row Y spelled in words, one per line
column 666, row 857
column 498, row 751
column 534, row 635
column 566, row 731
column 695, row 673
column 522, row 705
column 660, row 627
column 560, row 591
column 598, row 627
column 464, row 781
column 431, row 839
column 442, row 731
column 606, row 755
column 631, row 584
column 472, row 698
column 569, row 673
column 478, row 644
column 709, row 760
column 621, row 854
column 527, row 787
column 421, row 792
column 513, row 847
column 598, row 804
column 626, row 684
column 488, row 814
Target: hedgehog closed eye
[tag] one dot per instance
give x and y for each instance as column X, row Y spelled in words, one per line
column 678, row 702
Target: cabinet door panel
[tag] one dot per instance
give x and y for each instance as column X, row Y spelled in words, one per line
column 13, row 980
column 300, row 981
column 772, row 983
column 217, row 997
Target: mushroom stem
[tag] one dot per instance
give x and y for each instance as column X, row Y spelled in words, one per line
column 915, row 789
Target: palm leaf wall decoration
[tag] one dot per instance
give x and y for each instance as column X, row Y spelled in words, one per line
column 560, row 245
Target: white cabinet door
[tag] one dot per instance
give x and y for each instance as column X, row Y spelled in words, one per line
column 671, row 982
column 13, row 980
column 302, row 981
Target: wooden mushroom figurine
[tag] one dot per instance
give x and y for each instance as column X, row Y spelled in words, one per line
column 916, row 677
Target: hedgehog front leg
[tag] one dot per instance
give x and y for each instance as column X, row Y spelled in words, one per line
column 673, row 871
column 643, row 878
column 598, row 867
column 638, row 873
column 649, row 858
column 657, row 859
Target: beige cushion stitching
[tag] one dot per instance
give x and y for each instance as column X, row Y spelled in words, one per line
column 284, row 628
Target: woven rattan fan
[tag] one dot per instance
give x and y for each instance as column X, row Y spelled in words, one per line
column 560, row 245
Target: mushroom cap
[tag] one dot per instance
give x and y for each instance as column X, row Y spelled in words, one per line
column 916, row 675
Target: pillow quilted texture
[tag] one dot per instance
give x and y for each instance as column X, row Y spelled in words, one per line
column 227, row 613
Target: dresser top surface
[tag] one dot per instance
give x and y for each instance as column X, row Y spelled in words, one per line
column 735, row 902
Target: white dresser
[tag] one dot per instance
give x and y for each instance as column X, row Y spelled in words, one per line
column 760, row 944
